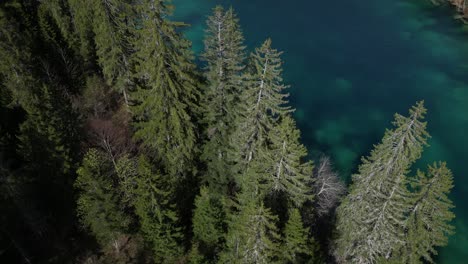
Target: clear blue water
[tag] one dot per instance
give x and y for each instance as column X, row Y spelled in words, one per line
column 352, row 64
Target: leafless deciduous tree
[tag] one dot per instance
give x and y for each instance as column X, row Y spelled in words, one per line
column 328, row 187
column 112, row 136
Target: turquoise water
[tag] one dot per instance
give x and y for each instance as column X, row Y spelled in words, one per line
column 352, row 64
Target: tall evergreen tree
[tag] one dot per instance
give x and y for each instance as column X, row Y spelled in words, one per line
column 428, row 224
column 150, row 195
column 104, row 27
column 296, row 247
column 224, row 55
column 208, row 223
column 258, row 152
column 47, row 142
column 264, row 101
column 48, row 146
column 154, row 206
column 166, row 94
column 48, row 139
column 81, row 13
column 17, row 40
column 253, row 236
column 254, row 180
column 98, row 204
column 371, row 220
column 56, row 22
column 285, row 170
column 60, row 50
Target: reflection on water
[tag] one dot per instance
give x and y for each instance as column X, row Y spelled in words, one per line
column 352, row 64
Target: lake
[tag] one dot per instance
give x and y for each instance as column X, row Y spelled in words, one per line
column 353, row 64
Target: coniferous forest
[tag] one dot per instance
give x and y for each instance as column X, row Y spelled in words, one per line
column 117, row 147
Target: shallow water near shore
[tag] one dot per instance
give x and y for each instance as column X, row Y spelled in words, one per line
column 353, row 64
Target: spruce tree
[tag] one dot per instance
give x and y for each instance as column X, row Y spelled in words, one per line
column 17, row 40
column 111, row 26
column 81, row 13
column 56, row 23
column 126, row 170
column 48, row 146
column 253, row 236
column 48, row 139
column 428, row 224
column 166, row 93
column 154, row 206
column 371, row 220
column 264, row 101
column 224, row 56
column 257, row 153
column 98, row 203
column 296, row 247
column 285, row 170
column 208, row 223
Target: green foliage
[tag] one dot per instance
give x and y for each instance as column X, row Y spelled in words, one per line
column 253, row 236
column 380, row 216
column 296, row 246
column 64, row 62
column 166, row 93
column 98, row 204
column 127, row 173
column 428, row 225
column 208, row 226
column 267, row 156
column 285, row 170
column 49, row 136
column 156, row 212
column 16, row 58
column 224, row 55
column 81, row 12
column 55, row 22
column 194, row 256
column 110, row 27
column 263, row 102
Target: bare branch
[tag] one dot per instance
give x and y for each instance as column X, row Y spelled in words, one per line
column 328, row 187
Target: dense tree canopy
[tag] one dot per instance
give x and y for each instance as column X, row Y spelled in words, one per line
column 116, row 147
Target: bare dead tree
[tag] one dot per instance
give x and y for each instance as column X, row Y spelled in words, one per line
column 112, row 136
column 328, row 187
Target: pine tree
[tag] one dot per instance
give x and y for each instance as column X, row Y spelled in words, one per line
column 286, row 171
column 153, row 202
column 194, row 255
column 253, row 236
column 98, row 203
column 126, row 169
column 17, row 40
column 48, row 146
column 208, row 225
column 224, row 55
column 56, row 23
column 296, row 247
column 371, row 220
column 49, row 136
column 166, row 95
column 264, row 101
column 111, row 28
column 428, row 225
column 60, row 46
column 81, row 14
